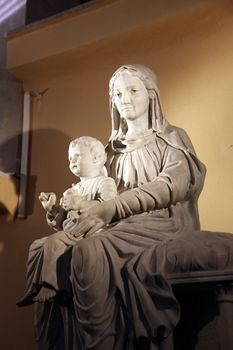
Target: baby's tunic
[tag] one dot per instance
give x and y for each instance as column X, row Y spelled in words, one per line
column 100, row 188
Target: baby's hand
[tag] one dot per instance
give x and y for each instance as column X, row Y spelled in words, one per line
column 70, row 200
column 48, row 200
column 74, row 215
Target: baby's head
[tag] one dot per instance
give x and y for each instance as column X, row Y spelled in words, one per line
column 87, row 157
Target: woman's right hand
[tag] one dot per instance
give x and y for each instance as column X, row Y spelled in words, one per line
column 95, row 218
column 48, row 200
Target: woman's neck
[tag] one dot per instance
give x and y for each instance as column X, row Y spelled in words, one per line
column 138, row 126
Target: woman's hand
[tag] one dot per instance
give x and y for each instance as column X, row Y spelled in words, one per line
column 95, row 218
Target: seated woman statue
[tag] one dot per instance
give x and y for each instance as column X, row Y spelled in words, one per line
column 117, row 272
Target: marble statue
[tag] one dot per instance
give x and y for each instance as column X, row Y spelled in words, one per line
column 87, row 159
column 118, row 290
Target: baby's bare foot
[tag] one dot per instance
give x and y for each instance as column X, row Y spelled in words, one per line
column 45, row 294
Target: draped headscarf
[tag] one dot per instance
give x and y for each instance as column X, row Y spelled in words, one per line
column 156, row 115
column 173, row 136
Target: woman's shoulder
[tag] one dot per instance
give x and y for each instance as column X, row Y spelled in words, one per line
column 177, row 138
column 170, row 136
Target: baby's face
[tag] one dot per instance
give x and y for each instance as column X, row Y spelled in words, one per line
column 81, row 160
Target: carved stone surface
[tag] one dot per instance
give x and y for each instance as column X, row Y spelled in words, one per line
column 115, row 292
column 87, row 161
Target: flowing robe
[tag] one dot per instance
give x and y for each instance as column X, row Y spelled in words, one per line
column 52, row 253
column 118, row 276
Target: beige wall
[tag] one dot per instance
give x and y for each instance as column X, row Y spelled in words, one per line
column 192, row 53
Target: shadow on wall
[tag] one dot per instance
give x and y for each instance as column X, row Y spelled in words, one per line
column 47, row 154
column 48, row 170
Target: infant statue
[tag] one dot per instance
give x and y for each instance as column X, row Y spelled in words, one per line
column 87, row 158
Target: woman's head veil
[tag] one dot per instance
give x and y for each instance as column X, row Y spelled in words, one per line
column 156, row 117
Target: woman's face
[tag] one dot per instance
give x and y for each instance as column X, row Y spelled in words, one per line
column 130, row 96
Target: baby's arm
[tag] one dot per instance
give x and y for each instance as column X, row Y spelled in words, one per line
column 49, row 202
column 85, row 204
column 55, row 214
column 106, row 190
column 75, row 202
column 70, row 199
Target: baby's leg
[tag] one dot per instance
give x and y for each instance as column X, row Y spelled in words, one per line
column 56, row 265
column 34, row 271
column 55, row 270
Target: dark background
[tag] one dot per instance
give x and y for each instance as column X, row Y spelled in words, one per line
column 36, row 10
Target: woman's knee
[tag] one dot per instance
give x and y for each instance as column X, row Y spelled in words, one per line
column 84, row 264
column 38, row 243
column 83, row 254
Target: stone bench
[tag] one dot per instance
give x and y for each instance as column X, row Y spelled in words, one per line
column 208, row 296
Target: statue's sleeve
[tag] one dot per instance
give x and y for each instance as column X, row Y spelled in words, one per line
column 169, row 187
column 107, row 189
